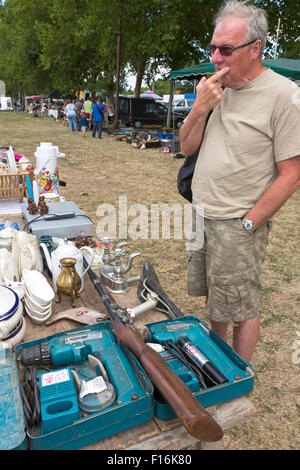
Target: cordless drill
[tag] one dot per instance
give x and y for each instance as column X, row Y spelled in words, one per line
column 62, row 350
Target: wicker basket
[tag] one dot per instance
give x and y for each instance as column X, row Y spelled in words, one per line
column 12, row 185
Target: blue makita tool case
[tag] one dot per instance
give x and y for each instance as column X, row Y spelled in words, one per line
column 94, row 388
column 232, row 375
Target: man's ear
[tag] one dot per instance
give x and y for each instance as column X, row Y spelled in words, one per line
column 256, row 48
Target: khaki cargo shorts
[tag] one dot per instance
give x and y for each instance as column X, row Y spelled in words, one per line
column 227, row 269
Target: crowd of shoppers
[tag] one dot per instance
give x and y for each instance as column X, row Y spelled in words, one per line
column 83, row 115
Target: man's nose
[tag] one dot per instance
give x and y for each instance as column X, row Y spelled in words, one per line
column 217, row 57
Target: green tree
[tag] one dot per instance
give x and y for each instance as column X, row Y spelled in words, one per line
column 20, row 66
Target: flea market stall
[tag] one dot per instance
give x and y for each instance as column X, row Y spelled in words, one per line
column 93, row 354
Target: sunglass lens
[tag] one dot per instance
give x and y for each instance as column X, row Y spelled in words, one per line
column 224, row 50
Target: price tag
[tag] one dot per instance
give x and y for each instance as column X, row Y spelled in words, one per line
column 55, row 377
column 95, row 385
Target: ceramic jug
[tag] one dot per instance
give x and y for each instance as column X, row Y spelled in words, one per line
column 7, row 235
column 26, row 248
column 8, row 266
column 66, row 250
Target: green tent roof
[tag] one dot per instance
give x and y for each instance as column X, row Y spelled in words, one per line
column 288, row 67
column 56, row 95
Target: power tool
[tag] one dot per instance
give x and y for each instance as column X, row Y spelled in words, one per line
column 101, row 371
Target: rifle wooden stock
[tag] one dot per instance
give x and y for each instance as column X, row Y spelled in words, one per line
column 191, row 413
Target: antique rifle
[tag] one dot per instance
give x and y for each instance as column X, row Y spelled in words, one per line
column 190, row 412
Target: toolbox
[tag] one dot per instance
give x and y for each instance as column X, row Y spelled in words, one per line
column 238, row 373
column 68, row 422
column 12, row 422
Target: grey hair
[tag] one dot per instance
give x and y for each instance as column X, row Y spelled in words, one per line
column 256, row 19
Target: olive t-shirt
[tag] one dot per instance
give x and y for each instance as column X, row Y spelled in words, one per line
column 250, row 130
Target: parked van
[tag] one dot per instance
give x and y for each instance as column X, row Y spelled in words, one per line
column 183, row 105
column 136, row 112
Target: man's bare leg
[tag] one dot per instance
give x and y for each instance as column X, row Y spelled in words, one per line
column 245, row 337
column 220, row 328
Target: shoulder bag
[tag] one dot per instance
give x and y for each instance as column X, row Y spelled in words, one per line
column 186, row 172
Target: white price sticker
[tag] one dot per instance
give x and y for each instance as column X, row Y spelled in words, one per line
column 95, row 385
column 55, row 377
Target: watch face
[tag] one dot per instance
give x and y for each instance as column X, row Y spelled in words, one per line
column 248, row 224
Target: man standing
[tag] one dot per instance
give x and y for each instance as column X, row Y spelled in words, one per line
column 97, row 117
column 87, row 108
column 79, row 105
column 248, row 166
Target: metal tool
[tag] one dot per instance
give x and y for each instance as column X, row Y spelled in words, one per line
column 112, row 270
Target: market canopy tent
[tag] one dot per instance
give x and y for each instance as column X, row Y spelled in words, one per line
column 288, row 67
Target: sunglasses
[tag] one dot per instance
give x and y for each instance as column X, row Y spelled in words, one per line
column 227, row 50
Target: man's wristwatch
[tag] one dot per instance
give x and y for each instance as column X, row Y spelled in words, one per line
column 248, row 225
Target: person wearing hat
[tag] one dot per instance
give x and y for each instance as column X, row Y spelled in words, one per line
column 83, row 123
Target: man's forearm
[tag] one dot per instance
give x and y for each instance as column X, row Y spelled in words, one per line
column 273, row 199
column 209, row 94
column 191, row 133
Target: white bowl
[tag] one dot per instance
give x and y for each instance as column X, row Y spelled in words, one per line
column 9, row 302
column 37, row 313
column 37, row 320
column 7, row 326
column 36, row 306
column 17, row 287
column 38, row 287
column 15, row 337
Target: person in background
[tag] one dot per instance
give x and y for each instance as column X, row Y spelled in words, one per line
column 83, row 123
column 97, row 117
column 79, row 106
column 71, row 111
column 64, row 113
column 105, row 116
column 87, row 108
column 248, row 166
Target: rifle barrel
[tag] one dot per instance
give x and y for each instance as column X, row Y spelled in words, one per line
column 191, row 413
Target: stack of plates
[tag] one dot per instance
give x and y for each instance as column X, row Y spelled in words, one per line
column 12, row 323
column 38, row 296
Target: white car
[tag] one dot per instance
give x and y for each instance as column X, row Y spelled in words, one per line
column 183, row 105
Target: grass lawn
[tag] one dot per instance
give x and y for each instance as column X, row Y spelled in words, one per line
column 100, row 172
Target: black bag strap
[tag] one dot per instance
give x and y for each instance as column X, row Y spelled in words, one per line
column 100, row 111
